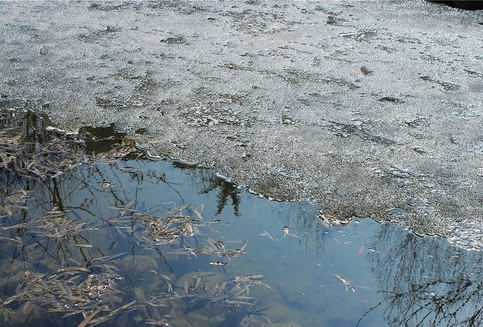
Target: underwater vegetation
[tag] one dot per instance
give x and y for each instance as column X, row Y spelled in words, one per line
column 107, row 259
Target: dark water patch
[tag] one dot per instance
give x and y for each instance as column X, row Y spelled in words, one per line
column 463, row 4
column 102, row 139
column 127, row 239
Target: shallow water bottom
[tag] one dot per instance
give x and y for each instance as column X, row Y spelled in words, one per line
column 162, row 243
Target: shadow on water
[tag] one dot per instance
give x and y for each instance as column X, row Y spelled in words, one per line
column 95, row 232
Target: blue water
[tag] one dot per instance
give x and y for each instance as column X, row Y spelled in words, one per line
column 285, row 269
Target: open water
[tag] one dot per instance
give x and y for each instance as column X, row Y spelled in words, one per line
column 152, row 241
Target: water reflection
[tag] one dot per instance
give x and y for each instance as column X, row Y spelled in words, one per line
column 106, row 238
column 426, row 281
column 206, row 181
column 119, row 239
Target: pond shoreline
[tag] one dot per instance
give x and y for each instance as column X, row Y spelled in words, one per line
column 368, row 109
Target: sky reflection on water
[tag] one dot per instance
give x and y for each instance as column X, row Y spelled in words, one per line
column 362, row 274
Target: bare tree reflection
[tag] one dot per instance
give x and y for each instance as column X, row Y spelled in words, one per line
column 427, row 281
column 206, row 180
column 71, row 240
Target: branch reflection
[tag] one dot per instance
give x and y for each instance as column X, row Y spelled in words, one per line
column 427, row 281
column 71, row 240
